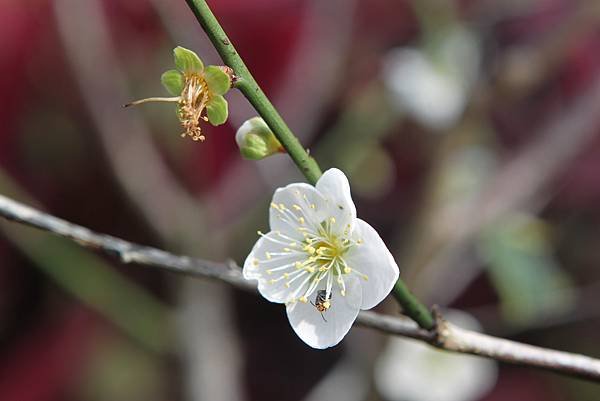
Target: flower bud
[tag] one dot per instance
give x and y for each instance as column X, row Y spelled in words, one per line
column 256, row 140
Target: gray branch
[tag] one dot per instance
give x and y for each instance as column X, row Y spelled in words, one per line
column 445, row 336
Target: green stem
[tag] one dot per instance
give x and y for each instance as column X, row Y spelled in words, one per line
column 248, row 86
column 412, row 307
column 309, row 167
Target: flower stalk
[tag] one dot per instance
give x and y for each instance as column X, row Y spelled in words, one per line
column 308, row 166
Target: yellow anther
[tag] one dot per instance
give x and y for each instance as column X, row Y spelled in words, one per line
column 272, row 281
column 303, row 299
column 298, row 265
column 301, row 220
column 359, row 241
column 260, row 233
column 268, row 255
column 311, row 250
column 332, row 220
column 254, row 262
column 287, row 285
column 323, row 268
column 286, row 275
column 269, row 271
column 281, row 206
column 310, row 269
column 287, row 249
column 274, row 205
column 343, row 292
column 347, row 270
column 296, row 207
column 313, row 206
column 326, row 304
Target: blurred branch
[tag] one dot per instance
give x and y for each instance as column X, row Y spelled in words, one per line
column 444, row 336
column 91, row 279
column 517, row 185
column 443, row 235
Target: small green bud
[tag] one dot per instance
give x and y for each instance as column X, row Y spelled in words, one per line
column 256, row 140
column 186, row 60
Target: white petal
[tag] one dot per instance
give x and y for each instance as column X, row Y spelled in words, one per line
column 373, row 259
column 292, row 197
column 309, row 325
column 334, row 187
column 257, row 264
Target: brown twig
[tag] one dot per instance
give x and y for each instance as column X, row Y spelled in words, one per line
column 445, row 336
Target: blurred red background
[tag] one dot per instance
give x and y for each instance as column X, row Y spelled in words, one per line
column 77, row 326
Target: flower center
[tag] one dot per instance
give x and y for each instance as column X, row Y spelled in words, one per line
column 318, row 262
column 193, row 100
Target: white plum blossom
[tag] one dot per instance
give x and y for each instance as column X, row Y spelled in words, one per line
column 320, row 260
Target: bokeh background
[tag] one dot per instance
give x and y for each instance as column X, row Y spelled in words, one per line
column 468, row 130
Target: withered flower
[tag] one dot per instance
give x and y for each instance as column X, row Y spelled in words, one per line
column 198, row 92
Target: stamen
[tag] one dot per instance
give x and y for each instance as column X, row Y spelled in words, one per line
column 358, row 273
column 300, row 287
column 270, row 238
column 296, row 276
column 340, row 280
column 285, row 253
column 314, row 284
column 284, row 267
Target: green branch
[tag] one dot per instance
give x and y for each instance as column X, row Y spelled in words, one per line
column 309, row 167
